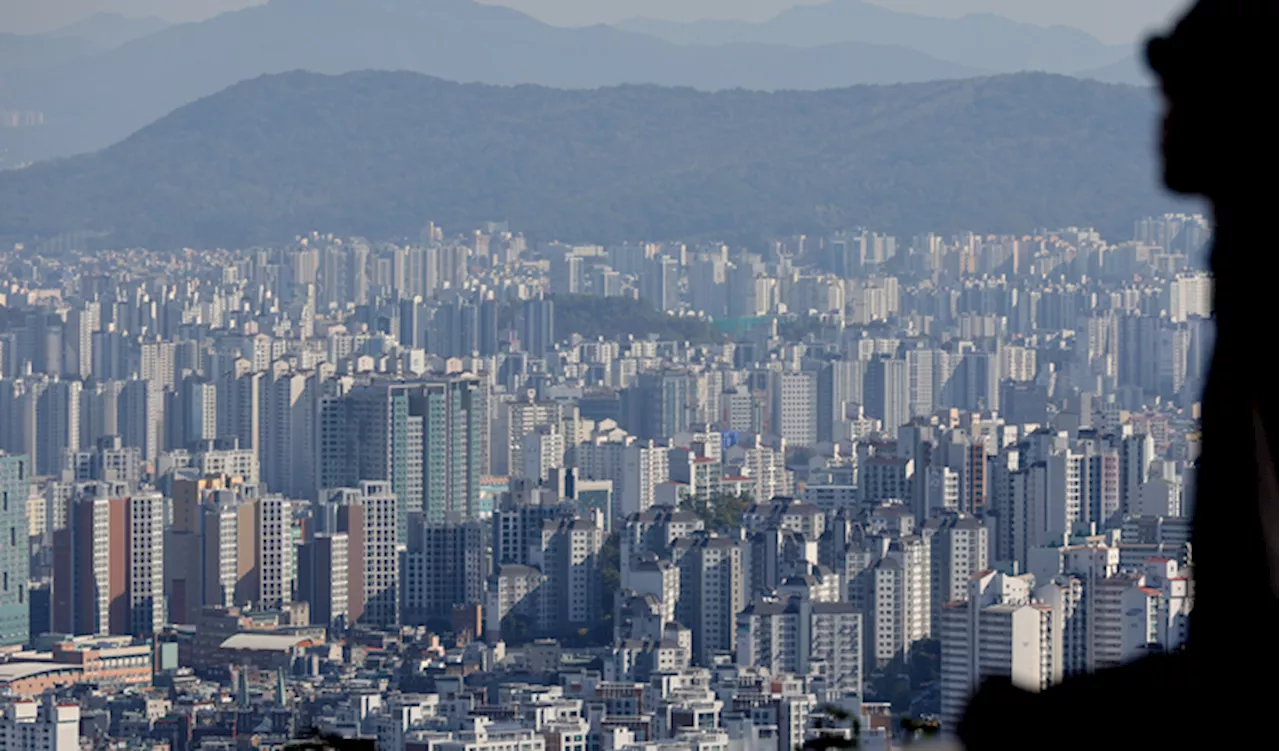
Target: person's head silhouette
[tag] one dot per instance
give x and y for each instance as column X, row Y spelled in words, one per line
column 1203, row 72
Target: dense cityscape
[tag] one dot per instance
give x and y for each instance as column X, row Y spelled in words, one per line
column 468, row 492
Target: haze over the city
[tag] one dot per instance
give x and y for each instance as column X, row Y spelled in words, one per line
column 1111, row 21
column 611, row 375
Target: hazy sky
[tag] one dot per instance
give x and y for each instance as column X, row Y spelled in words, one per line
column 1109, row 20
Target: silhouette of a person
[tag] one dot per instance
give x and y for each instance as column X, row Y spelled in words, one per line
column 1222, row 686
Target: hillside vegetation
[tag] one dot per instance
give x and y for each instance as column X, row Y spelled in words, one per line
column 380, row 154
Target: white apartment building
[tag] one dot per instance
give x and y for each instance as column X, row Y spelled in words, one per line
column 942, row 489
column 997, row 631
column 273, row 525
column 30, row 726
column 1110, row 616
column 900, row 600
column 797, row 636
column 221, row 552
column 764, row 467
column 238, row 462
column 382, row 551
column 568, row 555
column 713, row 588
column 483, row 736
column 516, row 420
column 289, row 451
column 659, row 578
column 511, row 590
column 795, row 408
column 543, row 452
column 644, row 467
column 883, row 478
column 959, row 547
column 1190, row 295
column 147, row 512
column 201, row 412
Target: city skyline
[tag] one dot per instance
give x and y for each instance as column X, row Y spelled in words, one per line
column 432, row 377
column 846, row 469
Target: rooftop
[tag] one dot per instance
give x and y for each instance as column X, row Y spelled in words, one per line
column 265, row 642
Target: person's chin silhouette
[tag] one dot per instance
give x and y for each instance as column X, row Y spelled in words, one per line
column 1220, row 688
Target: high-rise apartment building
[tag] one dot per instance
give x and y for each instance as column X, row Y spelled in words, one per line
column 243, row 398
column 568, row 555
column 323, row 578
column 108, row 575
column 145, row 556
column 445, row 565
column 997, row 631
column 200, row 405
column 15, row 557
column 659, row 405
column 273, row 538
column 538, row 326
column 543, row 453
column 644, row 467
column 959, row 547
column 518, row 418
column 425, row 439
column 289, row 450
column 795, row 635
column 713, row 590
column 795, row 408
column 886, row 392
column 369, row 516
column 900, row 600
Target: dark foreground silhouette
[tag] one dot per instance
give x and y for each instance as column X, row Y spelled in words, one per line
column 1221, row 688
column 314, row 740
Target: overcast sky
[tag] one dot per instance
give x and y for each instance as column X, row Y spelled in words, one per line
column 1109, row 20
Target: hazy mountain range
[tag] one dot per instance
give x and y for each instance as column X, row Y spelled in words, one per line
column 381, row 153
column 94, row 101
column 108, row 30
column 984, row 40
column 93, row 96
column 97, row 33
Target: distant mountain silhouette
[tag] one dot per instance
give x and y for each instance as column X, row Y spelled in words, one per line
column 381, row 153
column 979, row 40
column 108, row 30
column 94, row 101
column 97, row 33
column 21, row 53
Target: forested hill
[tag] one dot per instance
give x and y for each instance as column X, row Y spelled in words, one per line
column 379, row 154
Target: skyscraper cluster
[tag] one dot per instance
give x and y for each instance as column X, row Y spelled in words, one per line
column 855, row 470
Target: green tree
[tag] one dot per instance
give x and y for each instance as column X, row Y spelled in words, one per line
column 590, row 316
column 915, row 728
column 722, row 511
column 834, row 728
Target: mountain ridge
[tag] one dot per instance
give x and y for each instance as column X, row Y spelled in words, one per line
column 981, row 40
column 380, row 154
column 92, row 102
column 106, row 30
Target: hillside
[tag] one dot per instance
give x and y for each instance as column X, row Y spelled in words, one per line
column 93, row 101
column 592, row 317
column 380, row 154
column 979, row 40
